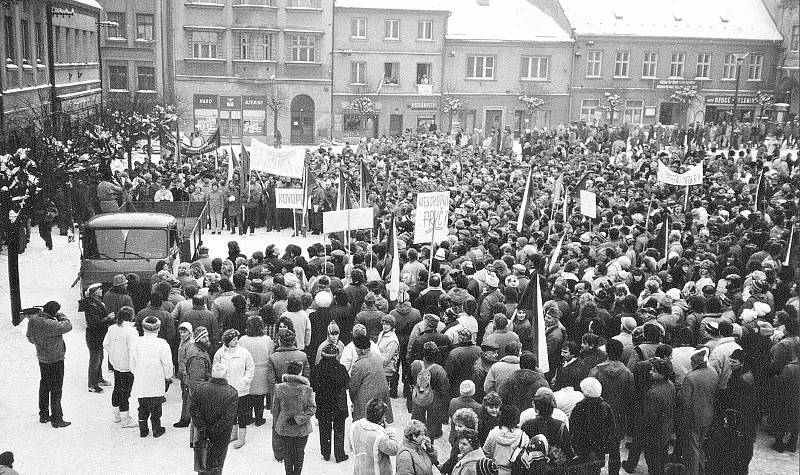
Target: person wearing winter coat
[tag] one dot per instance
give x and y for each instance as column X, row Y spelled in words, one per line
column 293, row 406
column 460, row 360
column 521, row 387
column 505, row 438
column 502, row 371
column 46, row 331
column 118, row 342
column 233, row 205
column 697, row 395
column 470, row 451
column 185, row 332
column 371, row 442
column 213, row 410
column 216, row 205
column 434, row 414
column 416, row 455
column 720, row 355
column 406, row 317
column 97, row 321
column 389, row 345
column 555, row 430
column 333, row 339
column 276, row 368
column 154, row 309
column 367, row 380
column 241, row 370
column 572, row 370
column 591, row 424
column 788, row 389
column 260, row 347
column 330, row 380
column 658, row 409
column 151, row 365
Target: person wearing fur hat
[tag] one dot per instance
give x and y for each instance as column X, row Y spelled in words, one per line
column 151, row 365
column 118, row 342
column 98, row 320
column 293, row 406
column 591, row 423
column 330, row 381
column 367, row 378
column 697, row 394
column 213, row 410
column 241, row 370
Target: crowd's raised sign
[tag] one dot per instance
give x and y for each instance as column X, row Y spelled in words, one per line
column 347, row 220
column 289, row 198
column 277, row 161
column 589, row 204
column 692, row 176
column 431, row 221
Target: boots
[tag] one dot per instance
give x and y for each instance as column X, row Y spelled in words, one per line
column 126, row 421
column 234, row 433
column 144, row 430
column 240, row 441
column 115, row 412
column 158, row 430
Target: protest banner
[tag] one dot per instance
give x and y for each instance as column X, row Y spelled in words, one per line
column 277, row 161
column 347, row 220
column 430, row 224
column 289, row 198
column 692, row 176
column 588, row 204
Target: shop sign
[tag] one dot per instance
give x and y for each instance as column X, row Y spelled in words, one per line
column 347, row 106
column 59, row 11
column 424, row 106
column 80, row 103
column 230, row 103
column 205, row 101
column 728, row 100
column 254, row 102
column 675, row 83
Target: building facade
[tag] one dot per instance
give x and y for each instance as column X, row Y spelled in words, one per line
column 387, row 67
column 787, row 86
column 234, row 59
column 137, row 59
column 651, row 65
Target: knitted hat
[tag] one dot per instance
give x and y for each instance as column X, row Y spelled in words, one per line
column 467, row 388
column 362, row 342
column 120, row 279
column 92, row 288
column 333, row 327
column 151, row 324
column 323, row 299
column 486, row 466
column 538, row 447
column 590, row 387
column 765, row 328
column 431, row 319
column 199, row 333
column 389, row 319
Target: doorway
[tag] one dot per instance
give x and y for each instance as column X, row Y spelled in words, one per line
column 666, row 116
column 395, row 124
column 494, row 119
column 302, row 120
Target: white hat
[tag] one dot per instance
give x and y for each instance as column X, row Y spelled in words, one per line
column 323, row 299
column 591, row 387
column 187, row 326
column 492, row 281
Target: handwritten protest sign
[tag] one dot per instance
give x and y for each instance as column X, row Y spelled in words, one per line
column 347, row 220
column 588, row 204
column 277, row 161
column 289, row 198
column 692, row 176
column 431, row 221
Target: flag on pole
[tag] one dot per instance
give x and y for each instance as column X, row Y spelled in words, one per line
column 394, row 275
column 558, row 189
column 565, row 211
column 662, row 239
column 308, row 184
column 790, row 246
column 244, row 158
column 581, row 185
column 366, row 182
column 531, row 304
column 230, row 166
column 526, row 197
column 341, row 198
column 760, row 191
column 380, row 84
column 556, row 254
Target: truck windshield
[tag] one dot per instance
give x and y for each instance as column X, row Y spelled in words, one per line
column 126, row 244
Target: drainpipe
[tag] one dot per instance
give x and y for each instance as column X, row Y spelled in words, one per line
column 333, row 61
column 55, row 107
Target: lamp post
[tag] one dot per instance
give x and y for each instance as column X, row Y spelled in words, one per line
column 739, row 60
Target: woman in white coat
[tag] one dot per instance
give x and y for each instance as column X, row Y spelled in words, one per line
column 151, row 365
column 117, row 344
column 241, row 369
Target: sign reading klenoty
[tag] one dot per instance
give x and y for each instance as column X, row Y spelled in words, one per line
column 431, row 220
column 692, row 176
column 289, row 198
column 277, row 161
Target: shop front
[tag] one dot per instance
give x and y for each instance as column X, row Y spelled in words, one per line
column 719, row 108
column 386, row 115
column 238, row 118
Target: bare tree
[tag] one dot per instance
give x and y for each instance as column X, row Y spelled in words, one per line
column 277, row 102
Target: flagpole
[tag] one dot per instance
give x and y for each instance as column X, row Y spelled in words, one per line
column 789, row 247
column 178, row 141
column 686, row 200
column 647, row 218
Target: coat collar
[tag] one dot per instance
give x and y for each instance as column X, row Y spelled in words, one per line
column 295, row 378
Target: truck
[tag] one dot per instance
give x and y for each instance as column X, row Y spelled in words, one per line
column 135, row 240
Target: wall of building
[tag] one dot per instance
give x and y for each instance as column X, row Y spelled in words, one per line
column 787, row 85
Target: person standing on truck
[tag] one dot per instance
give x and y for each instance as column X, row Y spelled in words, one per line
column 216, row 206
column 108, row 193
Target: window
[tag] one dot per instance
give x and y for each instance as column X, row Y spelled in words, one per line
column 794, row 43
column 621, row 64
column 39, row 43
column 424, row 73
column 729, row 67
column 304, row 48
column 120, row 31
column 703, row 66
column 144, row 26
column 594, row 60
column 390, row 73
column 25, row 33
column 254, row 46
column 358, row 72
column 358, row 28
column 11, row 48
column 676, row 65
column 634, row 110
column 425, row 30
column 480, row 67
column 535, row 68
column 588, row 109
column 650, row 65
column 304, row 4
column 392, row 29
column 118, row 78
column 754, row 70
column 204, row 44
column 146, row 78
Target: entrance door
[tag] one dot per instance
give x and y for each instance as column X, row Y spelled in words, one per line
column 395, row 124
column 302, row 120
column 494, row 118
column 666, row 114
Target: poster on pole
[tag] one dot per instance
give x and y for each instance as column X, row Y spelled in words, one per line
column 692, row 176
column 289, row 198
column 347, row 220
column 286, row 162
column 588, row 204
column 430, row 224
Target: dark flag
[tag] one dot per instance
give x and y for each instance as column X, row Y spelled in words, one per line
column 531, row 304
column 581, row 185
column 761, row 192
column 366, row 182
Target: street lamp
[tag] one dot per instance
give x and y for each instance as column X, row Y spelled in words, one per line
column 739, row 60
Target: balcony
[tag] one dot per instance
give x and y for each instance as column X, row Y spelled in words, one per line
column 425, row 89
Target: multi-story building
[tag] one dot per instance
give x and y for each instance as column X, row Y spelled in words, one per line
column 137, row 53
column 52, row 62
column 233, row 58
column 787, row 85
column 725, row 52
column 387, row 66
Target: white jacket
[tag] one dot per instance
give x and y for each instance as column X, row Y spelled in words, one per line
column 118, row 343
column 151, row 365
column 240, row 365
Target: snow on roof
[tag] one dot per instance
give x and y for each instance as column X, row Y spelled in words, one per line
column 501, row 20
column 708, row 19
column 86, row 3
column 417, row 5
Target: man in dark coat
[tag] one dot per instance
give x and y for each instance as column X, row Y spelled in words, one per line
column 698, row 393
column 521, row 387
column 592, row 423
column 657, row 417
column 443, row 342
column 213, row 410
column 97, row 321
column 573, row 369
column 330, row 380
column 460, row 361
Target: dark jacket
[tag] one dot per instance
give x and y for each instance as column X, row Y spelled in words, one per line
column 555, row 430
column 115, row 300
column 658, row 410
column 459, row 365
column 213, row 410
column 330, row 380
column 167, row 330
column 520, row 388
column 617, row 383
column 201, row 317
column 592, row 428
column 97, row 321
column 571, row 375
column 698, row 393
column 293, row 406
column 47, row 333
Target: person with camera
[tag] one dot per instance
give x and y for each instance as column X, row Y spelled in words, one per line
column 46, row 330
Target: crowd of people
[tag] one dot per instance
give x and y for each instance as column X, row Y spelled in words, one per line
column 672, row 318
